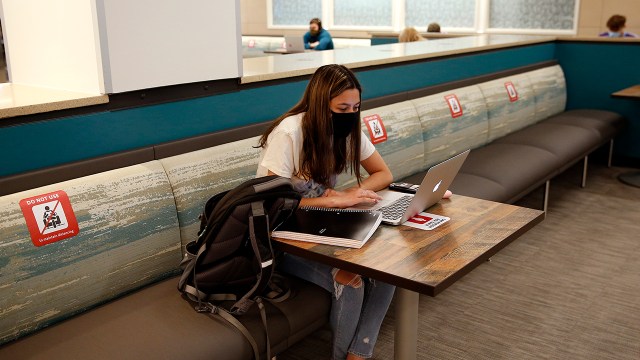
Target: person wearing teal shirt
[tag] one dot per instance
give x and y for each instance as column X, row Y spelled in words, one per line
column 317, row 38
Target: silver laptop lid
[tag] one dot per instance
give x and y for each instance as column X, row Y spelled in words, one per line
column 294, row 43
column 434, row 184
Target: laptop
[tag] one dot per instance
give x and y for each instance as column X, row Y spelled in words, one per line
column 293, row 44
column 398, row 207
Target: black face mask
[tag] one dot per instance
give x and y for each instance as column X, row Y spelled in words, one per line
column 343, row 123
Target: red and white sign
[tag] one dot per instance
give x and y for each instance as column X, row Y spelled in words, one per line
column 511, row 91
column 426, row 221
column 377, row 131
column 252, row 43
column 454, row 105
column 49, row 217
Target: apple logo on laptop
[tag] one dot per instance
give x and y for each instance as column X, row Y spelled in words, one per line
column 435, row 188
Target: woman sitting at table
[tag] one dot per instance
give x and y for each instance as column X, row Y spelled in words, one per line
column 319, row 138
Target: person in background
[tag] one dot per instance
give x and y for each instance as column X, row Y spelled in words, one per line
column 433, row 27
column 616, row 25
column 313, row 142
column 410, row 34
column 317, row 38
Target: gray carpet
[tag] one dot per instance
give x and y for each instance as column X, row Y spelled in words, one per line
column 567, row 289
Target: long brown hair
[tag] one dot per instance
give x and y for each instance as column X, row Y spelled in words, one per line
column 322, row 155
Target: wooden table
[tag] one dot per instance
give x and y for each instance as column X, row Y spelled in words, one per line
column 632, row 92
column 426, row 262
column 633, row 177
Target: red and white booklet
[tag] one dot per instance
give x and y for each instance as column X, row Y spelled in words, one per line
column 426, row 221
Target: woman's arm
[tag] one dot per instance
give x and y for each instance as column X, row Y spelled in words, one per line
column 379, row 174
column 335, row 199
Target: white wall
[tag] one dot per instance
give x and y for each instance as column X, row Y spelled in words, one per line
column 52, row 43
column 151, row 43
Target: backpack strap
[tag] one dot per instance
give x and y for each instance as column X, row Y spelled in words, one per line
column 188, row 265
column 213, row 310
column 259, row 234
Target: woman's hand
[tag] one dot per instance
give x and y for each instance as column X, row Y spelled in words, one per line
column 351, row 197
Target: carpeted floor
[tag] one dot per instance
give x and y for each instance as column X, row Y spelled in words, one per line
column 567, row 289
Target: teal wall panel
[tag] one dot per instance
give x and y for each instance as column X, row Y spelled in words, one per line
column 383, row 40
column 392, row 80
column 48, row 143
column 52, row 142
column 595, row 70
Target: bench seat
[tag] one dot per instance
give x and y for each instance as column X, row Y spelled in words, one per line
column 156, row 323
column 110, row 292
column 606, row 123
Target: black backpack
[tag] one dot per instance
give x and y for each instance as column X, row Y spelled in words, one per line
column 232, row 258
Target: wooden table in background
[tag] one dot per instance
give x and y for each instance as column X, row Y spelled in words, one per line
column 426, row 262
column 630, row 178
column 632, row 92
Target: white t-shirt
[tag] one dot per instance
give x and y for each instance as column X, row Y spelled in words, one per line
column 283, row 151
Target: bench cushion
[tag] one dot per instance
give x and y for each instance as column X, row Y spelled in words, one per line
column 479, row 187
column 550, row 91
column 515, row 167
column 128, row 237
column 198, row 175
column 606, row 123
column 158, row 315
column 403, row 150
column 505, row 115
column 445, row 136
column 569, row 143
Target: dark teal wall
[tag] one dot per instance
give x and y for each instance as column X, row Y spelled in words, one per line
column 52, row 142
column 594, row 71
column 392, row 80
column 383, row 40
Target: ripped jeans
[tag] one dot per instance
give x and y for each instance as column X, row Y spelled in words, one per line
column 356, row 312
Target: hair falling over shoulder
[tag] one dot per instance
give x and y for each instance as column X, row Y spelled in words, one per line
column 323, row 157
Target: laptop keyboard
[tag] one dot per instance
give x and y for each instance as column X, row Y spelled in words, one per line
column 396, row 209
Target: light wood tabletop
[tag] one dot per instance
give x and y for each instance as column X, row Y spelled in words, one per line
column 429, row 261
column 632, row 92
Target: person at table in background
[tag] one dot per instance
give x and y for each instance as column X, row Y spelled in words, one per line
column 410, row 34
column 433, row 27
column 317, row 38
column 616, row 25
column 313, row 142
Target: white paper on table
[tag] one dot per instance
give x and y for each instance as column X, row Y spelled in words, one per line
column 426, row 221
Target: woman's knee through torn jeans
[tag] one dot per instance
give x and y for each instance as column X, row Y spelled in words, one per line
column 356, row 312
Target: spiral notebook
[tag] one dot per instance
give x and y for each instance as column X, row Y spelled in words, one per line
column 340, row 227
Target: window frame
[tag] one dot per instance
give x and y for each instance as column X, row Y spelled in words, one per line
column 398, row 12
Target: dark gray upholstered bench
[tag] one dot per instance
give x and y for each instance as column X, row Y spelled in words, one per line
column 110, row 292
column 156, row 323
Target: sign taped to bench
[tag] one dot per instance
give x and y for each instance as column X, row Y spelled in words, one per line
column 49, row 217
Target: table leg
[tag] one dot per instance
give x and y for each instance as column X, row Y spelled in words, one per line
column 406, row 335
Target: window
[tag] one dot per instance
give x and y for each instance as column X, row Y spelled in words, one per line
column 462, row 16
column 449, row 14
column 368, row 13
column 295, row 12
column 532, row 14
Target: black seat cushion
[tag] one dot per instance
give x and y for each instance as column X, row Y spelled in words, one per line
column 606, row 123
column 157, row 323
column 479, row 187
column 515, row 167
column 569, row 143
